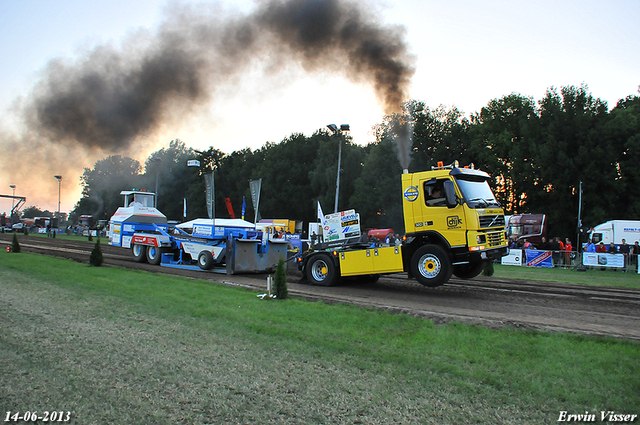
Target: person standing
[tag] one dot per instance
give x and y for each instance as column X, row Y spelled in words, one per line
column 567, row 249
column 624, row 249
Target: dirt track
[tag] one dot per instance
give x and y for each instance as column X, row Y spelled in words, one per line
column 483, row 301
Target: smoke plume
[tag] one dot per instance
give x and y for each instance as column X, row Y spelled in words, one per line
column 109, row 98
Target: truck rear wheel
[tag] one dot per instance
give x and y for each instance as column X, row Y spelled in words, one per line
column 154, row 255
column 430, row 266
column 139, row 253
column 468, row 271
column 320, row 270
column 205, row 260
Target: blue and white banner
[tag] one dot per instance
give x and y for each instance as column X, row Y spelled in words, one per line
column 601, row 259
column 537, row 258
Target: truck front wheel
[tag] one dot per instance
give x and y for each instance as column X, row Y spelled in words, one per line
column 431, row 266
column 139, row 253
column 320, row 270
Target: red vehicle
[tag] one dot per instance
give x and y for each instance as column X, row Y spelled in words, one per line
column 532, row 227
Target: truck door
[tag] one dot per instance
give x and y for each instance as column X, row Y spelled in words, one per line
column 436, row 216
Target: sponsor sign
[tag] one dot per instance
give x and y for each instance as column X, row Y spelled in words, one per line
column 114, row 234
column 341, row 225
column 601, row 259
column 145, row 240
column 454, row 222
column 202, row 231
column 513, row 259
column 538, row 258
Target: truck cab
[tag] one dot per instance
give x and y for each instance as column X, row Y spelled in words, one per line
column 453, row 223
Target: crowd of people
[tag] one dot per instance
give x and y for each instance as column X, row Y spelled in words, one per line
column 630, row 252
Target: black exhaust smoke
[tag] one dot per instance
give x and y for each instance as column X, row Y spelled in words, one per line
column 109, row 97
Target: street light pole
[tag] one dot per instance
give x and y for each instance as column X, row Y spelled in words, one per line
column 13, row 187
column 156, row 160
column 59, row 178
column 334, row 129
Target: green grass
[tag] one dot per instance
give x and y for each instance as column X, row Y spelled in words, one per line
column 118, row 346
column 595, row 276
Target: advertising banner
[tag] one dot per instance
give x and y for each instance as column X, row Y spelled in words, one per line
column 208, row 181
column 341, row 225
column 601, row 259
column 513, row 259
column 255, row 186
column 537, row 258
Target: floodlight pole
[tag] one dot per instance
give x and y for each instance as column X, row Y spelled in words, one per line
column 59, row 178
column 334, row 130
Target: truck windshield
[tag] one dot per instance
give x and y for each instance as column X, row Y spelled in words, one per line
column 476, row 192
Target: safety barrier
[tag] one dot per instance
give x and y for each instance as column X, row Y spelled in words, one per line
column 571, row 259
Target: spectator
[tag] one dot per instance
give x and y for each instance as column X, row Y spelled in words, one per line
column 527, row 244
column 591, row 247
column 567, row 249
column 554, row 246
column 624, row 249
column 544, row 245
column 612, row 249
column 601, row 248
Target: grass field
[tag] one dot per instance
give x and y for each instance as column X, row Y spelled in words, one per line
column 595, row 277
column 123, row 347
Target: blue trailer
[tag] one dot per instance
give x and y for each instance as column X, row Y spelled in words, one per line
column 222, row 245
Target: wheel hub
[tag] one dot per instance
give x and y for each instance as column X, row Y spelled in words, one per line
column 429, row 266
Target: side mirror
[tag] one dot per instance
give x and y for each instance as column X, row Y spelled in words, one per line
column 450, row 194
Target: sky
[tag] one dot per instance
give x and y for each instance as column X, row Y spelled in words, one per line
column 461, row 53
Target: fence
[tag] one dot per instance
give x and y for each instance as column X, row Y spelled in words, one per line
column 571, row 259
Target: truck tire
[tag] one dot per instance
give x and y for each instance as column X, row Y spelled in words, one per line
column 154, row 255
column 321, row 270
column 139, row 253
column 468, row 271
column 430, row 266
column 205, row 260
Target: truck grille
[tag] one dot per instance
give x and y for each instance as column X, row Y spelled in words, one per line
column 491, row 221
column 494, row 239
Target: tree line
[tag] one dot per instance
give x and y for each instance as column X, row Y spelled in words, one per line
column 538, row 153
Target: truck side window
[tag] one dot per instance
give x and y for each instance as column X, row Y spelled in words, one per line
column 434, row 193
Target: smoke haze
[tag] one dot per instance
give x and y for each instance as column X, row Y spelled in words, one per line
column 111, row 99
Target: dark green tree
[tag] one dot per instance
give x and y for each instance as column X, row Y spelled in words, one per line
column 102, row 186
column 175, row 181
column 572, row 150
column 33, row 211
column 15, row 246
column 96, row 259
column 622, row 130
column 438, row 135
column 377, row 195
column 505, row 136
column 280, row 281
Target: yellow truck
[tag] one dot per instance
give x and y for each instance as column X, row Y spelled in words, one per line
column 453, row 225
